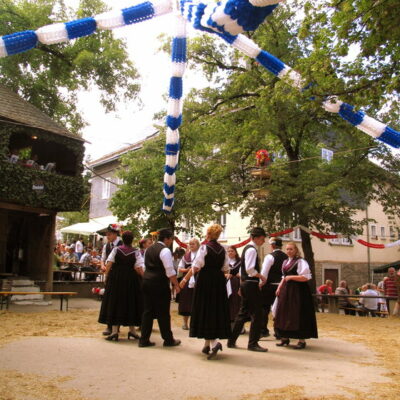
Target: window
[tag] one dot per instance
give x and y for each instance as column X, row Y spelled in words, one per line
column 297, row 234
column 106, row 189
column 326, row 155
column 383, row 234
column 341, row 241
column 373, row 232
column 392, row 232
column 222, row 222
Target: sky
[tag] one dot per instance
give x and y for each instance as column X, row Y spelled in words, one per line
column 108, row 132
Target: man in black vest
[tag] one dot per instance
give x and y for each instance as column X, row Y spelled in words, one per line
column 159, row 273
column 250, row 291
column 113, row 240
column 272, row 271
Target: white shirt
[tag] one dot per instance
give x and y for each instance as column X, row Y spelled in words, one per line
column 139, row 258
column 79, row 247
column 167, row 260
column 103, row 252
column 199, row 262
column 250, row 259
column 371, row 304
column 267, row 264
column 303, row 268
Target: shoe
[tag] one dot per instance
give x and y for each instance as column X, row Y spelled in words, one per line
column 175, row 342
column 106, row 333
column 146, row 344
column 112, row 337
column 214, row 351
column 231, row 345
column 284, row 342
column 300, row 346
column 205, row 349
column 257, row 348
column 185, row 327
column 133, row 335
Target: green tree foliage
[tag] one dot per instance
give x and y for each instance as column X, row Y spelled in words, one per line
column 247, row 109
column 363, row 37
column 50, row 76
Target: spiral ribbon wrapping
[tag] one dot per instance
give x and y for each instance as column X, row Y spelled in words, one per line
column 227, row 19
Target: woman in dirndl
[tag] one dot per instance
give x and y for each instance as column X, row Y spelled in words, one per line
column 186, row 294
column 295, row 312
column 210, row 319
column 233, row 282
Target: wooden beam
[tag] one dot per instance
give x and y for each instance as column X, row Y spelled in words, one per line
column 19, row 207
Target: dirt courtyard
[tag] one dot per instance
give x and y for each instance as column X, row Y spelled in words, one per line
column 62, row 355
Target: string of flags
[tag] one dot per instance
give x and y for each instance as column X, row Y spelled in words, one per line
column 313, row 233
column 228, row 19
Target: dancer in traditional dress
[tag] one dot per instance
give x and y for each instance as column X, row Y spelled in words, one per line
column 233, row 282
column 123, row 302
column 250, row 290
column 186, row 294
column 210, row 310
column 272, row 271
column 295, row 314
column 159, row 273
column 113, row 240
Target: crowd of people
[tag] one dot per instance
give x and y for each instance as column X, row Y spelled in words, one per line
column 370, row 298
column 77, row 257
column 218, row 291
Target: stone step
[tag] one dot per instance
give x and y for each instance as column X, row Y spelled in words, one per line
column 32, row 303
column 22, row 282
column 26, row 297
column 25, row 289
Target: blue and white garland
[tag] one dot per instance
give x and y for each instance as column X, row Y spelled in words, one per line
column 228, row 19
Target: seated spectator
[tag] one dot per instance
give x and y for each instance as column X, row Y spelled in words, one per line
column 369, row 305
column 90, row 263
column 69, row 259
column 344, row 301
column 325, row 289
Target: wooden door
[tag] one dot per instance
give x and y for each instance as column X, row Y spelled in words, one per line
column 333, row 275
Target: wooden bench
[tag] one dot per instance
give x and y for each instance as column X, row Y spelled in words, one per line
column 62, row 295
column 360, row 310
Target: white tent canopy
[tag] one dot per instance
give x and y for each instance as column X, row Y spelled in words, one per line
column 91, row 227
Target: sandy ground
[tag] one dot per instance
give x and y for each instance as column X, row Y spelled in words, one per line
column 62, row 355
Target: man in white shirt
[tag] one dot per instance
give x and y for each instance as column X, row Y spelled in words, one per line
column 272, row 271
column 159, row 274
column 250, row 289
column 79, row 248
column 369, row 305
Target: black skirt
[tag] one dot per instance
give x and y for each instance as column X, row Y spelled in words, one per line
column 234, row 298
column 185, row 300
column 295, row 314
column 123, row 300
column 210, row 309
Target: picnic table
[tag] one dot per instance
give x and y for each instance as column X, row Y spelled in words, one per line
column 62, row 295
column 333, row 300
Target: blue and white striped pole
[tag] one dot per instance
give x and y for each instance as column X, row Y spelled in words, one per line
column 174, row 117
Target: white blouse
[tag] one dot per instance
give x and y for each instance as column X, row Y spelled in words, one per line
column 199, row 262
column 303, row 268
column 139, row 258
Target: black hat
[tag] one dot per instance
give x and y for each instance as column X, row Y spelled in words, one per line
column 165, row 233
column 113, row 228
column 276, row 241
column 256, row 232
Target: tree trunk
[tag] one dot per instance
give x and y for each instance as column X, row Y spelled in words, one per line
column 309, row 256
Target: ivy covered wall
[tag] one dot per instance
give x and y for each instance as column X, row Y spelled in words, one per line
column 39, row 188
